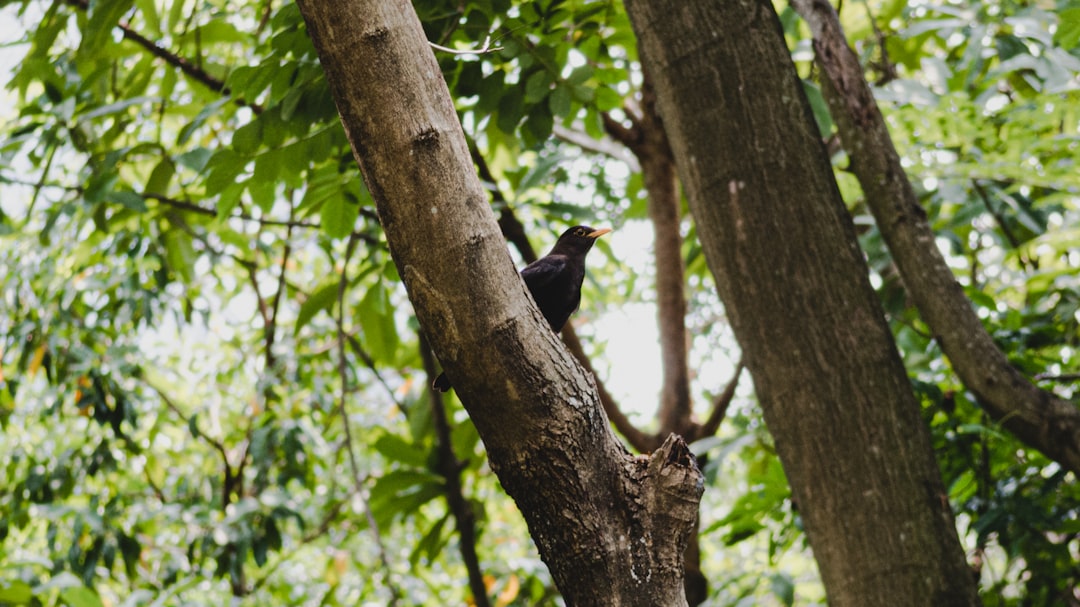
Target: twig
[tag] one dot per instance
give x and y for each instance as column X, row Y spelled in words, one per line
column 603, row 147
column 1063, row 377
column 486, row 48
column 216, row 444
column 369, row 362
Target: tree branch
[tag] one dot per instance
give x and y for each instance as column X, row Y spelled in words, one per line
column 514, row 232
column 343, row 375
column 646, row 139
column 190, row 69
column 640, row 441
column 719, row 407
column 596, row 146
column 449, row 468
column 275, row 303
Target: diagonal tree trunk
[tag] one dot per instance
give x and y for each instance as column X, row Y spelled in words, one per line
column 611, row 527
column 782, row 248
column 1039, row 418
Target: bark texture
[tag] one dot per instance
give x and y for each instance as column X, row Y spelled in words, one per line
column 782, row 248
column 1039, row 418
column 611, row 527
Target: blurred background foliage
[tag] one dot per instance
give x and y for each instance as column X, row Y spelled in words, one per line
column 211, row 384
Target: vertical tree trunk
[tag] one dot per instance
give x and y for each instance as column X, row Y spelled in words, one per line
column 783, row 250
column 611, row 527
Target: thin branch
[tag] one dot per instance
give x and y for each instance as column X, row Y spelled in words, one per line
column 514, row 232
column 185, row 205
column 264, row 310
column 720, row 405
column 218, row 446
column 190, row 69
column 603, row 147
column 640, row 441
column 449, row 468
column 369, row 362
column 275, row 304
column 1063, row 377
column 343, row 373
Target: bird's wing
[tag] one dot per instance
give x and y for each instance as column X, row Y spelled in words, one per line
column 542, row 271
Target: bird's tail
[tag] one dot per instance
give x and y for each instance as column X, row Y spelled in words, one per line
column 441, row 383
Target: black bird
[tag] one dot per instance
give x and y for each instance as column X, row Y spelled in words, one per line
column 555, row 280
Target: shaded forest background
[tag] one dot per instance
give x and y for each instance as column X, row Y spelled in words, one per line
column 213, row 386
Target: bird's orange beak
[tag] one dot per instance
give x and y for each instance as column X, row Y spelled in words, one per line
column 598, row 233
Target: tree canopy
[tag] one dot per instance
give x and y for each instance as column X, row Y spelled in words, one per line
column 212, row 383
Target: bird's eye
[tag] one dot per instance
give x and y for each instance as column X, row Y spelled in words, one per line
column 580, row 231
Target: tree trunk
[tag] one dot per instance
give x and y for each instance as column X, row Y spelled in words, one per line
column 611, row 527
column 782, row 247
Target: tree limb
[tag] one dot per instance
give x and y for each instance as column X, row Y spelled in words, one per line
column 646, row 139
column 190, row 69
column 449, row 468
column 720, row 406
column 640, row 441
column 343, row 389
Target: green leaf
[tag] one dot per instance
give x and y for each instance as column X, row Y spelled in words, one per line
column 432, row 543
column 158, row 182
column 537, row 86
column 539, row 123
column 560, row 101
column 377, row 321
column 510, row 111
column 338, row 216
column 322, row 299
column 819, row 107
column 15, row 592
column 396, row 483
column 607, row 99
column 180, row 254
column 104, row 16
column 783, row 587
column 211, row 109
column 224, row 166
column 128, row 199
column 396, row 448
column 1067, row 35
column 246, row 139
column 80, row 596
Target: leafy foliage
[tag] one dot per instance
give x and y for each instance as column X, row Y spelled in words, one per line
column 210, row 382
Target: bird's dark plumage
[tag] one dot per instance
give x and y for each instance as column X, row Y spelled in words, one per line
column 555, row 280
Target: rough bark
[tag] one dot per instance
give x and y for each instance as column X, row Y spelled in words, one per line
column 610, row 527
column 1039, row 418
column 782, row 248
